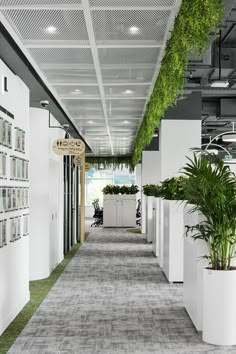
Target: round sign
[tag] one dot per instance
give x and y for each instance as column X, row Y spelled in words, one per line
column 68, row 147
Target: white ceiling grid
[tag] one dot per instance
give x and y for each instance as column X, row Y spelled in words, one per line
column 100, row 56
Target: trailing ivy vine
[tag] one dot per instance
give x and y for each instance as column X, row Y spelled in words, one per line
column 195, row 21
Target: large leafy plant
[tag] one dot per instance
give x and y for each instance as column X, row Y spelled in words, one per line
column 211, row 187
column 173, row 188
column 196, row 19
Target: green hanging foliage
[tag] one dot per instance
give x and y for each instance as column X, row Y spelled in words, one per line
column 108, row 162
column 196, row 19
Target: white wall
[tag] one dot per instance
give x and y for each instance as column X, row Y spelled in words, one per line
column 150, row 174
column 46, row 196
column 14, row 259
column 138, row 179
column 177, row 137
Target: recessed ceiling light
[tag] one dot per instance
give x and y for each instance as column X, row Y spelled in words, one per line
column 76, row 91
column 90, row 121
column 124, row 138
column 126, row 122
column 128, row 92
column 51, row 29
column 219, row 84
column 134, row 30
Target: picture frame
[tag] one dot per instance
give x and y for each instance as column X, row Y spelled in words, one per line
column 18, row 227
column 23, row 141
column 9, row 201
column 25, row 224
column 4, row 199
column 9, row 135
column 4, row 132
column 13, row 229
column 4, row 232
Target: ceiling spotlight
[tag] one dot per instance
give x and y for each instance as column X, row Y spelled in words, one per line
column 90, row 121
column 51, row 29
column 134, row 30
column 128, row 92
column 126, row 122
column 230, row 138
column 219, row 84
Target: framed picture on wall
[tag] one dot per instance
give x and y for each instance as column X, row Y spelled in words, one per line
column 13, row 229
column 23, row 142
column 18, row 227
column 2, row 165
column 4, row 198
column 13, row 195
column 22, row 197
column 1, row 132
column 18, row 168
column 18, row 198
column 9, row 201
column 4, row 132
column 4, row 232
column 9, row 135
column 25, row 225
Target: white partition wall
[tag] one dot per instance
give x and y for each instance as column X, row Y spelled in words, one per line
column 177, row 137
column 46, row 196
column 14, row 156
column 150, row 174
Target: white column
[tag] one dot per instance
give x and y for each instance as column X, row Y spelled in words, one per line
column 150, row 174
column 46, row 196
column 138, row 179
column 177, row 137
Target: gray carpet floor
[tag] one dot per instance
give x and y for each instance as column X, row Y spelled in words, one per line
column 113, row 299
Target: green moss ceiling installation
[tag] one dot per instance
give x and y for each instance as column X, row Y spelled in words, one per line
column 195, row 21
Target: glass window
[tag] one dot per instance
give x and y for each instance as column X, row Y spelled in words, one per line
column 96, row 180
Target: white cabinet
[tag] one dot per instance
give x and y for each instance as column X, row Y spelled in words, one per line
column 193, row 269
column 173, row 247
column 149, row 215
column 119, row 210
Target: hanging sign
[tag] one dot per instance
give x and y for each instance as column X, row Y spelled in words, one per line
column 78, row 160
column 68, row 147
column 87, row 167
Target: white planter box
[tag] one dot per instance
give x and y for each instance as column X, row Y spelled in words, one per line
column 143, row 215
column 193, row 270
column 219, row 307
column 119, row 210
column 149, row 214
column 173, row 247
column 157, row 229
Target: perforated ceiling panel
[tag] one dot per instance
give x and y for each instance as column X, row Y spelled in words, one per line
column 134, row 3
column 119, row 25
column 100, row 57
column 49, row 25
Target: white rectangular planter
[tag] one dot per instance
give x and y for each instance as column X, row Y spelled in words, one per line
column 219, row 307
column 193, row 270
column 173, row 240
column 119, row 210
column 157, row 229
column 149, row 215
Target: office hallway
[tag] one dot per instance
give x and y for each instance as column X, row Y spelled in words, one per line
column 113, row 298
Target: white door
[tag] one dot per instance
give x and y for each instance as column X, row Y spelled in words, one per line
column 53, row 200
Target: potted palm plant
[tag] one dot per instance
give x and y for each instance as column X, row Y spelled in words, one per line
column 211, row 187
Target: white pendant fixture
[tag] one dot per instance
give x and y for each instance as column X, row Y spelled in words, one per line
column 231, row 138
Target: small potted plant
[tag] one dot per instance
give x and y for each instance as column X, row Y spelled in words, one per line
column 211, row 187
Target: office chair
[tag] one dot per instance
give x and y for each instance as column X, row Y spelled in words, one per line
column 138, row 213
column 98, row 214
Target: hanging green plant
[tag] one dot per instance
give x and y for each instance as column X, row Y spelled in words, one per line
column 108, row 162
column 196, row 19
